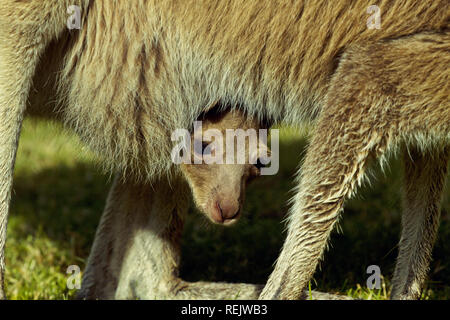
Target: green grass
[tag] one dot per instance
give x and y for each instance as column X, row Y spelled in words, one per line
column 59, row 194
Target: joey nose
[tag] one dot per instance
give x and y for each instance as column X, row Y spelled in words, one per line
column 226, row 211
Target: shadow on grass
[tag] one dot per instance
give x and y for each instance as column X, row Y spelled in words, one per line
column 66, row 204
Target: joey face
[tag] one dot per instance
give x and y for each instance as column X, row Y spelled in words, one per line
column 219, row 188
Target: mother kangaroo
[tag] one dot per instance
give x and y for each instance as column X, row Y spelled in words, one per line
column 137, row 70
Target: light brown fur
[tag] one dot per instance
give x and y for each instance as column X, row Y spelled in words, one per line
column 137, row 70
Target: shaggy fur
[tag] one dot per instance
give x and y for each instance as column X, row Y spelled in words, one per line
column 139, row 69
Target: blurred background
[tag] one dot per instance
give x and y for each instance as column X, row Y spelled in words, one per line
column 60, row 191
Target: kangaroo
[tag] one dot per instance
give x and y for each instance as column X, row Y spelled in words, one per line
column 136, row 71
column 136, row 251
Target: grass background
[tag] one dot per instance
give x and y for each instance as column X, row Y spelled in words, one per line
column 59, row 194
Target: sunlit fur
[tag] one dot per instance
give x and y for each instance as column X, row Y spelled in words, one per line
column 137, row 70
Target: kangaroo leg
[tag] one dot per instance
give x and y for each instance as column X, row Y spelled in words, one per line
column 26, row 29
column 425, row 176
column 136, row 244
column 379, row 95
column 14, row 86
column 136, row 249
column 334, row 166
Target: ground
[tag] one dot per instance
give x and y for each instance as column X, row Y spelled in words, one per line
column 60, row 191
